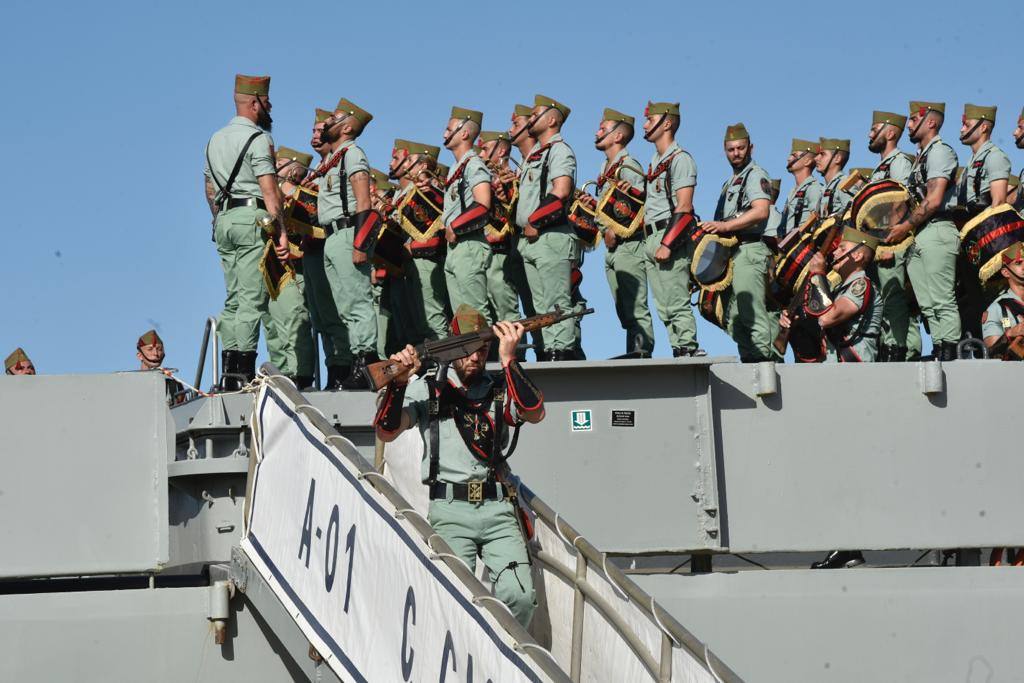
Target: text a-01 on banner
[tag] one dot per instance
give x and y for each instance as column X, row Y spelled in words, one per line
column 361, row 582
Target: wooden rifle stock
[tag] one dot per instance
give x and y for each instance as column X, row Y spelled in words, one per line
column 461, row 345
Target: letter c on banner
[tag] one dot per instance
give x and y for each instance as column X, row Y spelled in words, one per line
column 447, row 654
column 410, row 606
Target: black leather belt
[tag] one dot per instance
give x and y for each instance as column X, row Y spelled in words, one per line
column 636, row 236
column 749, row 239
column 337, row 226
column 472, row 492
column 235, row 202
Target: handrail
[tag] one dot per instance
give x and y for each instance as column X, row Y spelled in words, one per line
column 525, row 643
column 673, row 633
column 208, row 327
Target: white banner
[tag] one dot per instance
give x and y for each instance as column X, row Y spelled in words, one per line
column 359, row 581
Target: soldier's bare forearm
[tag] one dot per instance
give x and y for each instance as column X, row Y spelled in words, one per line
column 930, row 204
column 211, row 197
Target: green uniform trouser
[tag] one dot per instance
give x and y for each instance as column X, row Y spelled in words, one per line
column 548, row 262
column 390, row 302
column 492, row 528
column 465, row 272
column 626, row 267
column 749, row 321
column 516, row 272
column 289, row 337
column 671, row 284
column 323, row 314
column 352, row 292
column 240, row 244
column 931, row 265
column 501, row 289
column 427, row 294
column 899, row 327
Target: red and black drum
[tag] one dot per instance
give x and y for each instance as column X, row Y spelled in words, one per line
column 984, row 237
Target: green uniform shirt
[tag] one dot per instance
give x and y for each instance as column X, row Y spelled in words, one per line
column 803, row 199
column 474, row 172
column 987, row 164
column 1019, row 204
column 992, row 324
column 860, row 331
column 740, row 191
column 629, row 170
column 222, row 153
column 896, row 165
column 456, row 463
column 774, row 227
column 834, row 200
column 329, row 204
column 681, row 172
column 560, row 160
column 936, row 160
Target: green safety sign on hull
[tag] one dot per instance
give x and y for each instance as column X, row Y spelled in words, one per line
column 581, row 420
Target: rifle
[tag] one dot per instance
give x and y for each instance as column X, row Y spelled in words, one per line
column 461, row 345
column 799, row 297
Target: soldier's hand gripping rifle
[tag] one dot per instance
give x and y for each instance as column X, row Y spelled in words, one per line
column 815, row 284
column 461, row 345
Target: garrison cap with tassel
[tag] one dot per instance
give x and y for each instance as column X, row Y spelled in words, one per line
column 492, row 135
column 617, row 116
column 252, row 85
column 1012, row 254
column 975, row 112
column 860, row 237
column 736, row 131
column 523, row 110
column 380, row 179
column 834, row 144
column 322, row 115
column 545, row 101
column 804, row 146
column 659, row 108
column 17, row 356
column 922, row 108
column 148, row 339
column 889, row 118
column 358, row 113
column 463, row 114
column 467, row 319
column 301, row 158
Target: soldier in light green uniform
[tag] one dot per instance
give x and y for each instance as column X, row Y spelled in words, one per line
column 1018, row 139
column 1003, row 321
column 344, row 211
column 901, row 329
column 241, row 189
column 467, row 205
column 495, row 148
column 549, row 246
column 931, row 259
column 830, row 161
column 983, row 184
column 805, row 197
column 425, row 289
column 323, row 314
column 471, row 505
column 289, row 334
column 18, row 363
column 522, row 140
column 742, row 211
column 671, row 182
column 625, row 262
column 775, row 228
column 389, row 289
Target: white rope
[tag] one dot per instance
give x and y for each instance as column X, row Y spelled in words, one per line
column 711, row 669
column 335, row 436
column 480, row 598
column 405, row 512
column 169, row 372
column 432, row 536
column 436, row 556
column 607, row 575
column 654, row 613
column 372, row 473
column 564, row 539
column 316, row 410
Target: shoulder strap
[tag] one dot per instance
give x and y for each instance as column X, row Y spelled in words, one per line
column 1012, row 309
column 224, row 191
column 977, row 174
column 434, row 418
column 801, row 201
column 669, row 194
column 343, row 183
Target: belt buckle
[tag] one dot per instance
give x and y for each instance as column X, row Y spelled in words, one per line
column 476, row 492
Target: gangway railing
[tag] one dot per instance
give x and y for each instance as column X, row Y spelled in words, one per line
column 209, row 332
column 579, row 575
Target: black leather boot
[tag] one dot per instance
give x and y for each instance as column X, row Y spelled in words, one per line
column 247, row 366
column 357, row 379
column 899, row 354
column 688, row 353
column 840, row 559
column 884, row 353
column 302, row 382
column 947, row 351
column 336, row 375
column 230, row 379
column 562, row 354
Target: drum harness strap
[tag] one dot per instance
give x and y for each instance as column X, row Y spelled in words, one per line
column 979, row 200
column 1013, row 311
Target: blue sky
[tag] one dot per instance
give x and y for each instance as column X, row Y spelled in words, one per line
column 107, row 108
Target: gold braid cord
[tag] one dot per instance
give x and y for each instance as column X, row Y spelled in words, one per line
column 729, row 242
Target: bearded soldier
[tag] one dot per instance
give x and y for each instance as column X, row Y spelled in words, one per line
column 18, row 363
column 830, row 161
column 742, row 212
column 1018, row 138
column 467, row 212
column 805, row 197
column 549, row 246
column 323, row 313
column 901, row 330
column 241, row 189
column 347, row 217
column 424, row 272
column 462, row 417
column 931, row 259
column 625, row 262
